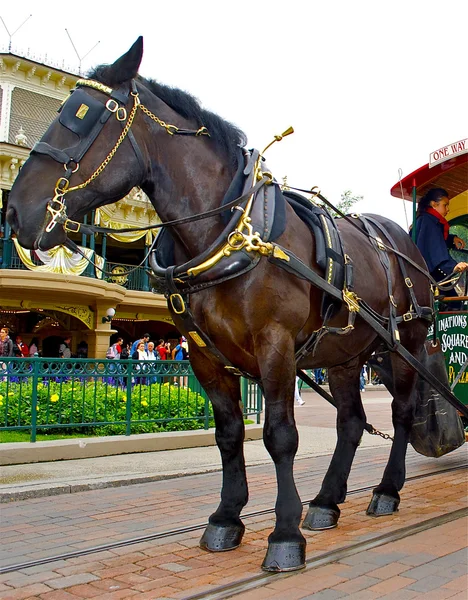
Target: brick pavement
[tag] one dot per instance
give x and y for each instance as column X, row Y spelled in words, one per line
column 41, row 527
column 430, row 562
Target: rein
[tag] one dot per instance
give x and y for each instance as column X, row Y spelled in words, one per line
column 71, row 245
column 444, row 285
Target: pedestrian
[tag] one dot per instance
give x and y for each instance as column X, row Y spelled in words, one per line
column 125, row 352
column 318, row 375
column 114, row 351
column 152, row 356
column 162, row 350
column 34, row 347
column 178, row 352
column 6, row 343
column 23, row 350
column 65, row 348
column 151, row 353
column 362, row 379
column 145, row 339
column 140, row 354
column 82, row 350
column 297, row 393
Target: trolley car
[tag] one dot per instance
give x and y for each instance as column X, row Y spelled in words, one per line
column 448, row 169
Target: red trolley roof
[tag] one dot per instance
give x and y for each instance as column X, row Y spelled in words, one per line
column 452, row 175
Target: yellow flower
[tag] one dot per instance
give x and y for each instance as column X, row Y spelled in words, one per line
column 1, row 403
column 11, row 393
column 124, row 399
column 54, row 398
column 144, row 403
column 1, row 397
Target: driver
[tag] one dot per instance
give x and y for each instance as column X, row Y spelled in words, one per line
column 433, row 238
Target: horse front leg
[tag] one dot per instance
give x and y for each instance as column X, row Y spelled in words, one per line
column 385, row 499
column 286, row 544
column 323, row 512
column 225, row 528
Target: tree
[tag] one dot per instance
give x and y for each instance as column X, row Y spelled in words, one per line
column 348, row 199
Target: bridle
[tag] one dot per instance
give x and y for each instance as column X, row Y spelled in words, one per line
column 83, row 103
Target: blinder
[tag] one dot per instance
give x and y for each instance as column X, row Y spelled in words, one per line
column 85, row 116
column 81, row 112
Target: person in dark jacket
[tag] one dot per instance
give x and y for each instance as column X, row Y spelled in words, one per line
column 433, row 238
column 6, row 343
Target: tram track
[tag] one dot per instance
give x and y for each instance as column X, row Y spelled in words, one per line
column 244, row 585
column 201, row 526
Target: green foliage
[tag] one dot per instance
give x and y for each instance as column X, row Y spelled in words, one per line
column 347, row 201
column 62, row 406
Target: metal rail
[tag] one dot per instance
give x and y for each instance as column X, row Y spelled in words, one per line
column 244, row 585
column 189, row 529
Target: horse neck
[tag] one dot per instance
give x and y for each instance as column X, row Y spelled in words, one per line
column 198, row 182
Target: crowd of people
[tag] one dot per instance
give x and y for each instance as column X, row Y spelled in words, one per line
column 145, row 349
column 15, row 346
column 141, row 349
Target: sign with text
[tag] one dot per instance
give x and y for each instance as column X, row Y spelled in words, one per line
column 450, row 151
column 452, row 332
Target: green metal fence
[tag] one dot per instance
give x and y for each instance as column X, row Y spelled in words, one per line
column 105, row 397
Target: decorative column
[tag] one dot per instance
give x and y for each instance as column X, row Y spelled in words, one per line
column 5, row 111
column 99, row 338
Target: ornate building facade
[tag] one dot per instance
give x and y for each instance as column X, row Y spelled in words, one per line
column 54, row 294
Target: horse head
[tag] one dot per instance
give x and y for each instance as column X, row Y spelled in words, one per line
column 66, row 174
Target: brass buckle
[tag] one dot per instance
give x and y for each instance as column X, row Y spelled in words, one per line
column 62, row 185
column 407, row 317
column 121, row 114
column 112, row 105
column 380, row 244
column 233, row 370
column 67, row 227
column 178, row 311
column 408, row 282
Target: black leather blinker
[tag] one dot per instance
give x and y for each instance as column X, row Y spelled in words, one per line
column 81, row 112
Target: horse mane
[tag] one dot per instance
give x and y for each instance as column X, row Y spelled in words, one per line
column 227, row 136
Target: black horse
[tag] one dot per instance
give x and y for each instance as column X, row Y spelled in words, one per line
column 241, row 311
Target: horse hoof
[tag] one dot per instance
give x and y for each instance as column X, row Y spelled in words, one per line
column 284, row 556
column 318, row 518
column 381, row 505
column 222, row 539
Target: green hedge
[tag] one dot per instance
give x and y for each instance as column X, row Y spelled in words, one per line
column 75, row 405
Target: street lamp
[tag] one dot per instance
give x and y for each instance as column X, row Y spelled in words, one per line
column 110, row 312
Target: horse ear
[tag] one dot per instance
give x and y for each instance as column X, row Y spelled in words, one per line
column 126, row 67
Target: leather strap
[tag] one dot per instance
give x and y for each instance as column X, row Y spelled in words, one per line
column 298, row 268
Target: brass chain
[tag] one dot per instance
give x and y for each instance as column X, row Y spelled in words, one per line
column 171, row 129
column 375, row 431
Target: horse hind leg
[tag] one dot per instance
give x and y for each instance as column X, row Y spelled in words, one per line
column 386, row 499
column 323, row 512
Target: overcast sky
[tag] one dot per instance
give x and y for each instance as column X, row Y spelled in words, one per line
column 369, row 86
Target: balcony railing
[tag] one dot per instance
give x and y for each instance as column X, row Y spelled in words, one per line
column 128, row 276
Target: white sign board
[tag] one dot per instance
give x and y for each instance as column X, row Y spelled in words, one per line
column 455, row 149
